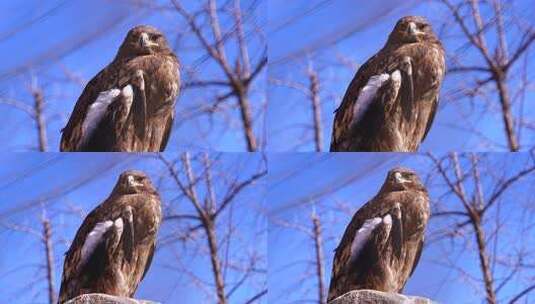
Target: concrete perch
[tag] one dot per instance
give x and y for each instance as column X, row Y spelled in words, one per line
column 377, row 297
column 99, row 298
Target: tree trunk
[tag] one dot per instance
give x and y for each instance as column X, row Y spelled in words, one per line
column 319, row 258
column 484, row 259
column 40, row 119
column 214, row 258
column 507, row 116
column 316, row 110
column 246, row 117
column 47, row 240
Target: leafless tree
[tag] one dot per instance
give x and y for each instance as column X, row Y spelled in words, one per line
column 495, row 50
column 35, row 111
column 320, row 259
column 473, row 202
column 311, row 90
column 314, row 235
column 210, row 209
column 238, row 68
column 45, row 237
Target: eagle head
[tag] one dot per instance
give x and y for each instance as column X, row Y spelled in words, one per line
column 133, row 181
column 143, row 40
column 411, row 29
column 399, row 179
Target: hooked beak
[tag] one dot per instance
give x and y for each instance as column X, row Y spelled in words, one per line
column 145, row 41
column 400, row 179
column 413, row 30
column 133, row 182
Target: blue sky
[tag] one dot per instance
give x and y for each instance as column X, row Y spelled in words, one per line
column 49, row 41
column 27, row 178
column 335, row 186
column 338, row 36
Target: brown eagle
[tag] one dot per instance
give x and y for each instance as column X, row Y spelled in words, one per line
column 383, row 242
column 391, row 102
column 129, row 105
column 113, row 248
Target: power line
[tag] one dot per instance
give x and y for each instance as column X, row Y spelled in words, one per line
column 296, row 17
column 17, row 29
column 342, row 33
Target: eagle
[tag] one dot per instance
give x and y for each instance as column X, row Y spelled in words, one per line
column 113, row 248
column 382, row 244
column 391, row 102
column 129, row 105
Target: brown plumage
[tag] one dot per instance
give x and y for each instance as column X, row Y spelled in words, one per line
column 129, row 105
column 383, row 242
column 113, row 248
column 391, row 102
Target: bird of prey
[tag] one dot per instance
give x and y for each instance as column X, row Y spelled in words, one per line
column 129, row 105
column 383, row 242
column 113, row 248
column 391, row 102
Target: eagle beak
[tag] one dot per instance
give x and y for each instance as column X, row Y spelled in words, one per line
column 145, row 41
column 399, row 178
column 413, row 30
column 133, row 182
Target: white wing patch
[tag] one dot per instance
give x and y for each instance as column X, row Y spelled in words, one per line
column 368, row 92
column 92, row 240
column 396, row 77
column 96, row 111
column 128, row 94
column 364, row 232
column 119, row 226
column 362, row 235
column 387, row 221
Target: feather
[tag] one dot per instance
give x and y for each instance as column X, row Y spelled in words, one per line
column 387, row 106
column 362, row 236
column 139, row 110
column 387, row 222
column 96, row 112
column 397, row 231
column 119, row 226
column 116, row 112
column 128, row 237
column 128, row 93
column 367, row 95
column 93, row 239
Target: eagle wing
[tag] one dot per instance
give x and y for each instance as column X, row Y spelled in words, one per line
column 149, row 261
column 167, row 131
column 375, row 88
column 418, row 255
column 103, row 111
column 431, row 117
column 370, row 228
column 100, row 234
column 342, row 114
column 73, row 132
